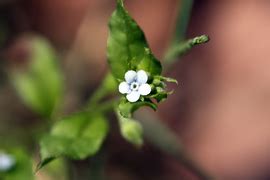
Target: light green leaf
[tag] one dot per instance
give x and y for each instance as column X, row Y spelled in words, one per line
column 77, row 136
column 127, row 48
column 22, row 168
column 40, row 85
column 168, row 79
column 131, row 130
column 109, row 84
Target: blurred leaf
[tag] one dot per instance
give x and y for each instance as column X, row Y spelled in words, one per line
column 77, row 136
column 109, row 84
column 127, row 46
column 131, row 130
column 22, row 169
column 57, row 169
column 41, row 85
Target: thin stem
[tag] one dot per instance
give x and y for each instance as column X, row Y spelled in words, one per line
column 99, row 94
column 179, row 46
column 182, row 21
column 108, row 86
column 182, row 48
column 108, row 105
column 161, row 136
column 97, row 166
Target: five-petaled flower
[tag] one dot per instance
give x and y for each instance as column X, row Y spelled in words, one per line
column 135, row 85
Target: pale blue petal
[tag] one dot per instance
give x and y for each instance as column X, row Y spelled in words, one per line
column 144, row 89
column 123, row 88
column 130, row 76
column 142, row 77
column 133, row 96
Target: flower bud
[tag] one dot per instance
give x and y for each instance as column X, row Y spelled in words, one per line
column 132, row 131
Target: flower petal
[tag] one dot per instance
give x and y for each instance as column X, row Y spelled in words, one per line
column 142, row 77
column 130, row 76
column 144, row 89
column 123, row 88
column 133, row 96
column 6, row 162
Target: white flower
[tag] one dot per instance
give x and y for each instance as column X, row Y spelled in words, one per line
column 6, row 162
column 135, row 85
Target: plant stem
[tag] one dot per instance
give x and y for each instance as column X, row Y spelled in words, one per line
column 108, row 105
column 182, row 21
column 161, row 136
column 97, row 166
column 99, row 93
column 182, row 48
column 156, row 132
column 179, row 46
column 108, row 86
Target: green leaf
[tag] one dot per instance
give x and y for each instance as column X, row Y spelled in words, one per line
column 168, row 79
column 131, row 130
column 22, row 168
column 40, row 85
column 160, row 79
column 127, row 108
column 109, row 84
column 161, row 96
column 160, row 93
column 127, row 48
column 77, row 136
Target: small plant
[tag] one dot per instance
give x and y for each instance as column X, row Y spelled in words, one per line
column 135, row 80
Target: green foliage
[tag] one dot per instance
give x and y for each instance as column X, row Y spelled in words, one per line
column 128, row 49
column 131, row 130
column 81, row 135
column 77, row 136
column 167, row 79
column 22, row 169
column 127, row 46
column 179, row 49
column 109, row 84
column 40, row 85
column 160, row 93
column 127, row 108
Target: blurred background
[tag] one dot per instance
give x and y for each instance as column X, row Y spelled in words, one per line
column 220, row 110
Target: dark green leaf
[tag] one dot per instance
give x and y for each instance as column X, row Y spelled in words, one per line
column 160, row 93
column 160, row 96
column 78, row 136
column 40, row 85
column 127, row 108
column 127, row 46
